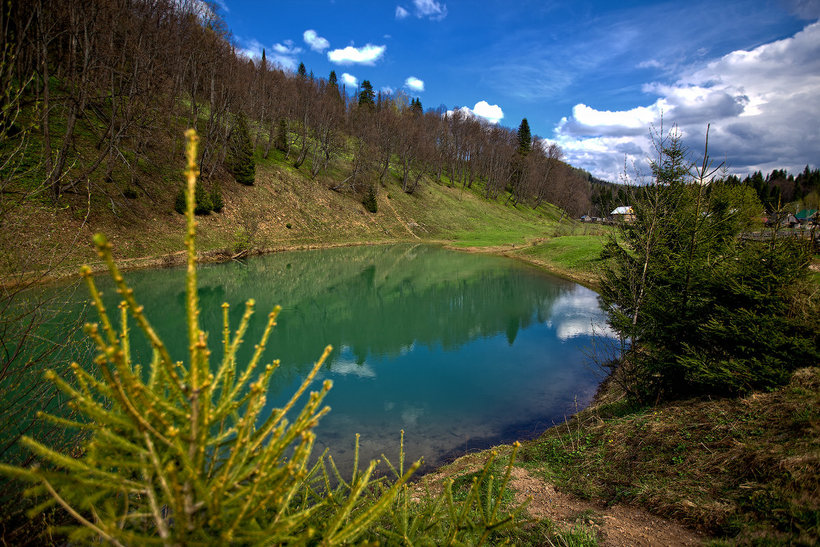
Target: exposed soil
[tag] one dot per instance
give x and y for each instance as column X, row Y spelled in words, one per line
column 618, row 525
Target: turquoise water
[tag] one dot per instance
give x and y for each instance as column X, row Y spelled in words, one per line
column 461, row 351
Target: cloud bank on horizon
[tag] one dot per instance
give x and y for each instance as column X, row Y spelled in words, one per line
column 763, row 105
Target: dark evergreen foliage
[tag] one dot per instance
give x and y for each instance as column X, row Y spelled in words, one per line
column 204, row 202
column 179, row 202
column 240, row 161
column 282, row 135
column 216, row 198
column 524, row 138
column 704, row 311
column 369, row 200
column 366, row 95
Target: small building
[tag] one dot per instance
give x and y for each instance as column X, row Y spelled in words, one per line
column 587, row 218
column 807, row 217
column 623, row 213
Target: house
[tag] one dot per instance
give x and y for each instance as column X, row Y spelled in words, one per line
column 807, row 217
column 623, row 213
column 587, row 218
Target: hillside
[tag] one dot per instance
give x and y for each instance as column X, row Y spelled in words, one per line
column 284, row 209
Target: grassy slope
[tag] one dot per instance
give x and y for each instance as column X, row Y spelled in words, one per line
column 746, row 469
column 290, row 210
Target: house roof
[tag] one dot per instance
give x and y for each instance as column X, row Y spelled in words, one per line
column 623, row 210
column 805, row 214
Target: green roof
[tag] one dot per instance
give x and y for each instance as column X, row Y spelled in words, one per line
column 805, row 214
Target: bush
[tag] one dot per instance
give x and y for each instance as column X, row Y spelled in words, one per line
column 203, row 206
column 240, row 161
column 186, row 454
column 203, row 201
column 179, row 202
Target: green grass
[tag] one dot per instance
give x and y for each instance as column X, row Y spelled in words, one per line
column 575, row 256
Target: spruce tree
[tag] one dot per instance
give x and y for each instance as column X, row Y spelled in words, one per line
column 301, row 71
column 524, row 138
column 216, row 198
column 705, row 310
column 282, row 141
column 240, row 161
column 189, row 453
column 366, row 95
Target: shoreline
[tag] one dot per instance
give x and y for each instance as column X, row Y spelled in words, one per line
column 178, row 258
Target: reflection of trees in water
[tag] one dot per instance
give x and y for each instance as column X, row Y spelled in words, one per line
column 376, row 300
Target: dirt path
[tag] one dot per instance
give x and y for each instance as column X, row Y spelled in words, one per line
column 616, row 526
column 401, row 221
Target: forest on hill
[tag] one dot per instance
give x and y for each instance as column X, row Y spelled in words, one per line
column 102, row 92
column 97, row 96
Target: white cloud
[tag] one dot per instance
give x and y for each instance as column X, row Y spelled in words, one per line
column 284, row 54
column 346, row 368
column 316, row 42
column 430, row 8
column 763, row 106
column 252, row 50
column 651, row 63
column 482, row 109
column 401, row 13
column 490, row 112
column 577, row 313
column 350, row 55
column 388, row 90
column 350, row 80
column 414, row 84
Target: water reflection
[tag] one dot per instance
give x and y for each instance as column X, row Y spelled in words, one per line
column 459, row 350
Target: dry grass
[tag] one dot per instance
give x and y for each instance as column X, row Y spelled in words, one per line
column 746, row 469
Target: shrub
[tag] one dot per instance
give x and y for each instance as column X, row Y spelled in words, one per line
column 203, row 202
column 179, row 202
column 182, row 454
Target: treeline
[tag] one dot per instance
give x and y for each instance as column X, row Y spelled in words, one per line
column 775, row 190
column 780, row 187
column 105, row 85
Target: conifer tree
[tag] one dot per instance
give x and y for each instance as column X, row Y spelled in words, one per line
column 301, row 71
column 189, row 454
column 184, row 455
column 366, row 95
column 216, row 198
column 524, row 138
column 282, row 141
column 240, row 160
column 705, row 311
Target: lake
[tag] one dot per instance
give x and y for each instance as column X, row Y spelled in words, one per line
column 461, row 351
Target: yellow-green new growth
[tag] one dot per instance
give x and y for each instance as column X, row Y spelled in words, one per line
column 187, row 457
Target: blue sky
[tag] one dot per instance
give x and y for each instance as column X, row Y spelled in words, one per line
column 592, row 76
